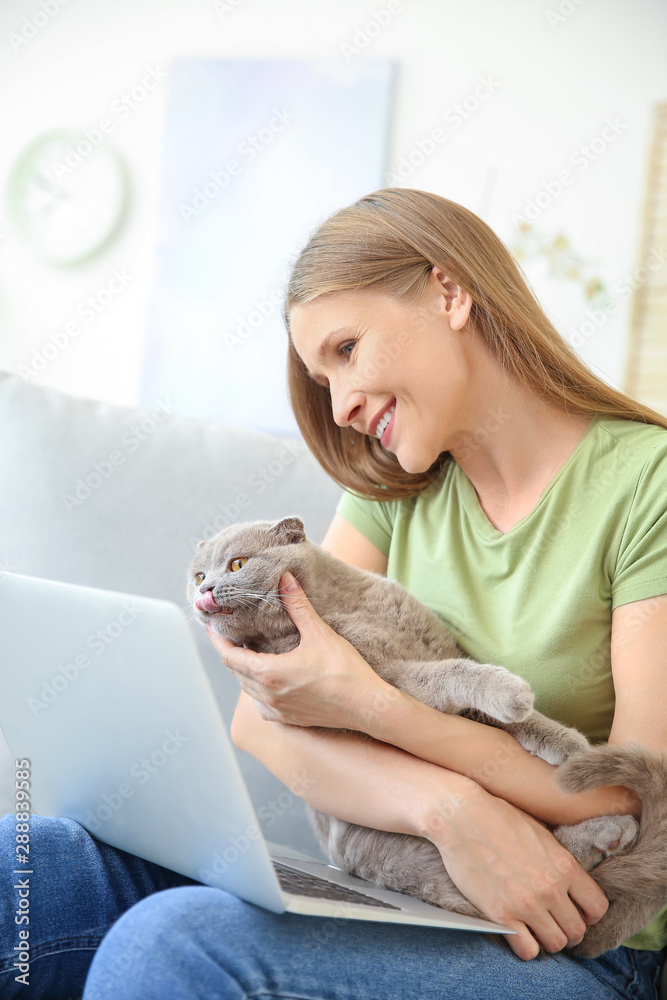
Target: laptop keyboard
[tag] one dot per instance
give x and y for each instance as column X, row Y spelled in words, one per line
column 302, row 884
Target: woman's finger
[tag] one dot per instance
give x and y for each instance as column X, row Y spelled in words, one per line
column 523, row 944
column 297, row 605
column 242, row 662
column 588, row 901
column 247, row 679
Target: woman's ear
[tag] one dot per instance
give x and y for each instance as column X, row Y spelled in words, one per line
column 457, row 301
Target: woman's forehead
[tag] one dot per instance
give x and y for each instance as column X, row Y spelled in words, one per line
column 312, row 322
column 326, row 312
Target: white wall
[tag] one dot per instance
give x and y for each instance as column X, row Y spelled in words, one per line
column 554, row 80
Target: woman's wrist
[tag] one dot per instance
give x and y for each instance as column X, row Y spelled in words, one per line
column 438, row 814
column 377, row 708
column 607, row 800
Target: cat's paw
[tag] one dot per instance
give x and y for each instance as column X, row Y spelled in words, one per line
column 553, row 742
column 571, row 742
column 593, row 840
column 507, row 697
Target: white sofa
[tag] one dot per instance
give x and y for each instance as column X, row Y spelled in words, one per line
column 118, row 497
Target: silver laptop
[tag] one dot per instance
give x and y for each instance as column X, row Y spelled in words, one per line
column 105, row 700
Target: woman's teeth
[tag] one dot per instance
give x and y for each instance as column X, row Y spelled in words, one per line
column 384, row 420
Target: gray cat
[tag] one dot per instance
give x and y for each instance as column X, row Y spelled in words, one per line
column 233, row 583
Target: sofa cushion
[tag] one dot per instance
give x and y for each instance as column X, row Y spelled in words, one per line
column 118, row 497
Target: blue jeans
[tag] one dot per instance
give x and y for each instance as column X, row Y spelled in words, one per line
column 150, row 933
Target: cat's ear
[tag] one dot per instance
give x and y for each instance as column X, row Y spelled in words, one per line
column 199, row 544
column 289, row 530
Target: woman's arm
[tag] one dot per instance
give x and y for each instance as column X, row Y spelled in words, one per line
column 492, row 758
column 495, row 760
column 326, row 682
column 348, row 775
column 502, row 859
column 639, row 669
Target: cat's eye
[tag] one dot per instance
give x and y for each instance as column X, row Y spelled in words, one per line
column 200, row 577
column 238, row 563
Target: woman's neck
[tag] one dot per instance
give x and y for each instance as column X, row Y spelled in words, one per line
column 511, row 448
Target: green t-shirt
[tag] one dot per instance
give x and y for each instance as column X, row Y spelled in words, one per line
column 538, row 599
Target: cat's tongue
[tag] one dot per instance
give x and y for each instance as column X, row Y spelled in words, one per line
column 207, row 603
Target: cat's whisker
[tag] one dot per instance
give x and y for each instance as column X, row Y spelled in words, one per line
column 245, row 596
column 273, row 601
column 266, row 597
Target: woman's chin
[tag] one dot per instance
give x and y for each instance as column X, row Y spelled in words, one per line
column 414, row 464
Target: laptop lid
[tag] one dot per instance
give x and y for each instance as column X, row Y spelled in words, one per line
column 99, row 732
column 104, row 694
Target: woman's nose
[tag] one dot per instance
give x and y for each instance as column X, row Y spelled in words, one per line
column 346, row 408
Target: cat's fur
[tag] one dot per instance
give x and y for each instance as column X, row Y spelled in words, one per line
column 409, row 647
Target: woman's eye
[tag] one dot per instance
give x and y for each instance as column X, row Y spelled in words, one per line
column 238, row 563
column 200, row 577
column 344, row 347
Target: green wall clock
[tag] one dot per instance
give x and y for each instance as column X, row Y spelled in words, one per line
column 67, row 195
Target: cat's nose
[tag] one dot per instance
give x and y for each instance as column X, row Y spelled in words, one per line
column 206, row 586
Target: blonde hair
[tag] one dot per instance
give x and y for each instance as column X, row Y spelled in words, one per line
column 388, row 241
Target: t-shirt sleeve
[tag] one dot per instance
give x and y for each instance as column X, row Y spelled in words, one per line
column 641, row 566
column 373, row 518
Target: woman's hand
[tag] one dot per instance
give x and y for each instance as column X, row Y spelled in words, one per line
column 512, row 868
column 324, row 681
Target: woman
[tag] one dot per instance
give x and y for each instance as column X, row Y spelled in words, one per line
column 521, row 498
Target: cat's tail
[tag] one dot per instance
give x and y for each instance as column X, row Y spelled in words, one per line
column 643, row 871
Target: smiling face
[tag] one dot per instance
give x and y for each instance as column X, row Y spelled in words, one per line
column 388, row 354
